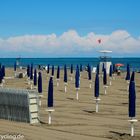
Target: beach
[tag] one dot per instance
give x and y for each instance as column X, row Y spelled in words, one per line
column 77, row 120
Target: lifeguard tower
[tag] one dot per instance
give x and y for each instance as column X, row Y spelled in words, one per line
column 106, row 60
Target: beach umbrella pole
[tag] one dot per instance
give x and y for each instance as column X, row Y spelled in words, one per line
column 97, row 104
column 71, row 77
column 49, row 115
column 90, row 83
column 105, row 88
column 65, row 87
column 132, row 121
column 110, row 83
column 57, row 82
column 113, row 76
column 128, row 85
column 40, row 96
column 77, row 94
column 31, row 84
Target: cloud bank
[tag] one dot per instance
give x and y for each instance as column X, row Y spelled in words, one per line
column 70, row 44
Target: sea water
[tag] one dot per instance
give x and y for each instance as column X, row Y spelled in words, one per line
column 9, row 62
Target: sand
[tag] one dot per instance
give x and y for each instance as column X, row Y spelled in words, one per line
column 77, row 120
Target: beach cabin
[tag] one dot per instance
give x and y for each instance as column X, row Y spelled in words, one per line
column 105, row 60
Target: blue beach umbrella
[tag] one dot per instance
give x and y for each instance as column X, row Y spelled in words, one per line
column 97, row 69
column 77, row 78
column 3, row 71
column 89, row 72
column 1, row 75
column 28, row 70
column 77, row 68
column 110, row 71
column 110, row 74
column 114, row 68
column 104, row 77
column 96, row 89
column 65, row 73
column 81, row 68
column 103, row 67
column 50, row 93
column 15, row 66
column 31, row 72
column 48, row 68
column 58, row 73
column 132, row 76
column 39, row 82
column 52, row 70
column 35, row 77
column 132, row 97
column 128, row 73
column 71, row 69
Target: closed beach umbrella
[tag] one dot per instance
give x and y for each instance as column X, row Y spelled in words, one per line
column 48, row 69
column 97, row 69
column 1, row 76
column 105, row 80
column 103, row 67
column 96, row 89
column 114, row 68
column 71, row 69
column 58, row 73
column 28, row 70
column 52, row 70
column 132, row 103
column 89, row 75
column 128, row 73
column 110, row 71
column 50, row 93
column 65, row 73
column 65, row 77
column 3, row 71
column 35, row 78
column 15, row 66
column 104, row 77
column 77, row 81
column 39, row 82
column 81, row 68
column 31, row 72
column 110, row 74
column 50, row 99
column 77, row 78
column 132, row 76
column 132, row 97
column 89, row 72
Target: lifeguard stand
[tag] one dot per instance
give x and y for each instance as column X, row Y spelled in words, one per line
column 106, row 60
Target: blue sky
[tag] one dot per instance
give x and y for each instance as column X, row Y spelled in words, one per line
column 44, row 17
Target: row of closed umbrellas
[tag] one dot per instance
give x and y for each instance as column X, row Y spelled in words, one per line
column 132, row 94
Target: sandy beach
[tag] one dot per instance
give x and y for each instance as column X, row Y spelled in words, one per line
column 77, row 120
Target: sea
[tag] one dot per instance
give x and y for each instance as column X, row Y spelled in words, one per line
column 9, row 62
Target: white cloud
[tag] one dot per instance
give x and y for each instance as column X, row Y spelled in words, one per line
column 70, row 43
